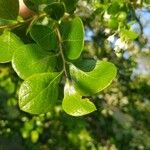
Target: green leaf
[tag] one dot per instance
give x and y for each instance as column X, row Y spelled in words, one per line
column 37, row 5
column 85, row 64
column 9, row 9
column 34, row 136
column 130, row 35
column 30, row 59
column 113, row 23
column 9, row 42
column 7, row 22
column 55, row 10
column 70, row 5
column 122, row 16
column 73, row 104
column 33, row 4
column 72, row 32
column 44, row 36
column 94, row 81
column 39, row 93
column 114, row 8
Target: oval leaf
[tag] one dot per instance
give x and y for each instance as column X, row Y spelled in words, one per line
column 9, row 42
column 37, row 5
column 9, row 9
column 72, row 37
column 73, row 104
column 30, row 59
column 44, row 36
column 33, row 4
column 55, row 10
column 94, row 81
column 39, row 93
column 70, row 5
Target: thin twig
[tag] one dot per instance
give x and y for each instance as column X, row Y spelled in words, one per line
column 18, row 24
column 12, row 26
column 61, row 51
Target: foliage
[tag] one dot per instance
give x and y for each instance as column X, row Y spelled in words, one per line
column 36, row 63
column 121, row 121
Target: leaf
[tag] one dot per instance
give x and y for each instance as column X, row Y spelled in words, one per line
column 113, row 23
column 34, row 136
column 9, row 9
column 94, row 81
column 33, row 4
column 55, row 10
column 9, row 42
column 72, row 32
column 37, row 5
column 31, row 59
column 85, row 64
column 70, row 5
column 131, row 35
column 7, row 22
column 73, row 104
column 114, row 8
column 39, row 93
column 44, row 36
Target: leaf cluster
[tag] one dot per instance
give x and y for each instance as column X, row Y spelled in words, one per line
column 52, row 59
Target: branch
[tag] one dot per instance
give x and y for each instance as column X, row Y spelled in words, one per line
column 32, row 19
column 12, row 26
column 61, row 52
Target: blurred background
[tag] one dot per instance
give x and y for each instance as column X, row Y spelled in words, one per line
column 122, row 119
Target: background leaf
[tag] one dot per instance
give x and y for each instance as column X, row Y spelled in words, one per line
column 44, row 36
column 9, row 42
column 9, row 9
column 31, row 59
column 72, row 32
column 6, row 22
column 94, row 81
column 131, row 35
column 73, row 104
column 114, row 8
column 39, row 93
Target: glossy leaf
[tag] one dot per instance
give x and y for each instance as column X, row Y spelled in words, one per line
column 9, row 9
column 94, row 81
column 39, row 93
column 72, row 37
column 9, row 42
column 73, row 104
column 55, row 10
column 44, row 36
column 30, row 59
